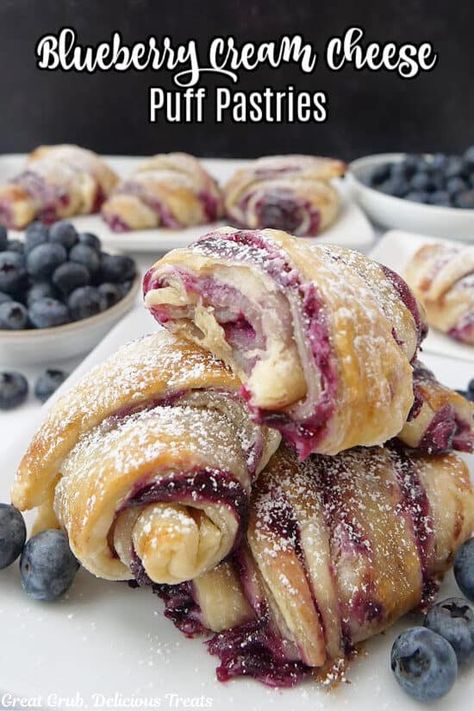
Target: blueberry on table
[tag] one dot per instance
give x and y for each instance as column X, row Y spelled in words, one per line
column 48, row 382
column 70, row 276
column 13, row 316
column 47, row 566
column 4, row 297
column 13, row 389
column 87, row 256
column 453, row 619
column 110, row 294
column 464, row 569
column 42, row 260
column 39, row 290
column 35, row 234
column 12, row 534
column 117, row 268
column 63, row 233
column 12, row 272
column 84, row 302
column 47, row 313
column 90, row 240
column 465, row 199
column 424, row 664
column 3, row 238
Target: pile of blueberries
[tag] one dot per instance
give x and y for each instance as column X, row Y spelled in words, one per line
column 443, row 180
column 47, row 565
column 426, row 659
column 57, row 275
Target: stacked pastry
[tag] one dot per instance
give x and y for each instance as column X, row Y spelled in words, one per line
column 163, row 464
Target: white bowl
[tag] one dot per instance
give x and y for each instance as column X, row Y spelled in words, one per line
column 397, row 213
column 45, row 345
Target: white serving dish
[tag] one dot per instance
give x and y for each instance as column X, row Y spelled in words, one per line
column 46, row 345
column 394, row 250
column 397, row 213
column 351, row 228
column 105, row 640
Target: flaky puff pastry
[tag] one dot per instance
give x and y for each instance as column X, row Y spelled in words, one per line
column 442, row 277
column 291, row 193
column 321, row 336
column 58, row 182
column 337, row 549
column 167, row 190
column 147, row 461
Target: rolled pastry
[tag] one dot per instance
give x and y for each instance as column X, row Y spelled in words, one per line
column 440, row 419
column 167, row 190
column 321, row 336
column 442, row 277
column 290, row 193
column 148, row 461
column 337, row 549
column 58, row 182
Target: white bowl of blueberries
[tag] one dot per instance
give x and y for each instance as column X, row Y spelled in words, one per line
column 432, row 194
column 59, row 292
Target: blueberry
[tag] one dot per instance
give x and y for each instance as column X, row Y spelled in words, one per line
column 13, row 389
column 70, row 276
column 453, row 619
column 44, row 259
column 117, row 268
column 13, row 316
column 4, row 297
column 110, row 294
column 440, row 197
column 84, row 302
column 47, row 312
column 12, row 272
column 3, row 238
column 12, row 534
column 379, row 174
column 63, row 233
column 417, row 196
column 87, row 256
column 36, row 234
column 90, row 240
column 455, row 185
column 455, row 167
column 398, row 171
column 469, row 155
column 464, row 568
column 125, row 287
column 47, row 565
column 424, row 664
column 421, row 182
column 16, row 245
column 465, row 199
column 48, row 382
column 439, row 161
column 411, row 163
column 39, row 290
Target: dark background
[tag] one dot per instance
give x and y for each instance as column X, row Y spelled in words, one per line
column 368, row 112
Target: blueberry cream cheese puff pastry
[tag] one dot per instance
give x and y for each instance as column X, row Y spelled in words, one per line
column 291, row 192
column 57, row 182
column 168, row 190
column 322, row 337
column 337, row 549
column 147, row 463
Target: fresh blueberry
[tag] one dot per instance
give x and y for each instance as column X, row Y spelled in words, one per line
column 439, row 161
column 453, row 619
column 424, row 664
column 110, row 294
column 411, row 163
column 47, row 566
column 465, row 199
column 44, row 259
column 13, row 389
column 398, row 171
column 39, row 290
column 12, row 272
column 47, row 312
column 13, row 316
column 63, row 233
column 16, row 245
column 417, row 196
column 4, row 297
column 90, row 240
column 464, row 569
column 117, row 268
column 455, row 185
column 36, row 234
column 455, row 167
column 3, row 238
column 48, row 382
column 12, row 534
column 440, row 197
column 87, row 256
column 70, row 276
column 84, row 302
column 469, row 155
column 421, row 182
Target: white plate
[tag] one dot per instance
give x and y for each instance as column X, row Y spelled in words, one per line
column 106, row 639
column 351, row 228
column 394, row 250
column 393, row 212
